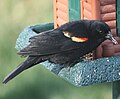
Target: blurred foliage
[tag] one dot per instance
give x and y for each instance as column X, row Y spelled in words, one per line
column 37, row 82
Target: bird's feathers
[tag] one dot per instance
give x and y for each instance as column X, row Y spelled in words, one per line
column 64, row 45
column 55, row 41
column 30, row 61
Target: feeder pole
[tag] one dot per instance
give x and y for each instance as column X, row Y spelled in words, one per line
column 116, row 90
column 116, row 84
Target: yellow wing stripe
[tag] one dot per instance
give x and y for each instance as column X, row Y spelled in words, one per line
column 75, row 39
column 67, row 34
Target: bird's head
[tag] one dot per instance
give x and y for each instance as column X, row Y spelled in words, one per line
column 101, row 30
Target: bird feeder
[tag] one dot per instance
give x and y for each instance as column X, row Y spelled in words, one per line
column 67, row 10
column 104, row 10
column 106, row 69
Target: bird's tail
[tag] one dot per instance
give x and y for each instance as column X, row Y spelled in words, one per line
column 29, row 62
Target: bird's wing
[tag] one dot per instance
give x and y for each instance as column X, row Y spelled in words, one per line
column 50, row 42
column 76, row 28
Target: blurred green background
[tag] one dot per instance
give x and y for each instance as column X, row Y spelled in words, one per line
column 37, row 82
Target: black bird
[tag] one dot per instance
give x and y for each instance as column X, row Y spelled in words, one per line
column 64, row 45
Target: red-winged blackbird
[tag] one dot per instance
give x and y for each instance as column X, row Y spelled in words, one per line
column 64, row 45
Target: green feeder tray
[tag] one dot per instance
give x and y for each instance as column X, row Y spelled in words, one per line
column 83, row 73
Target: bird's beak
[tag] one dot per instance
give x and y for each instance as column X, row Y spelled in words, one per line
column 110, row 37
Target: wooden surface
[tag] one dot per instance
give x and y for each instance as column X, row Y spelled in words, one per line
column 60, row 12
